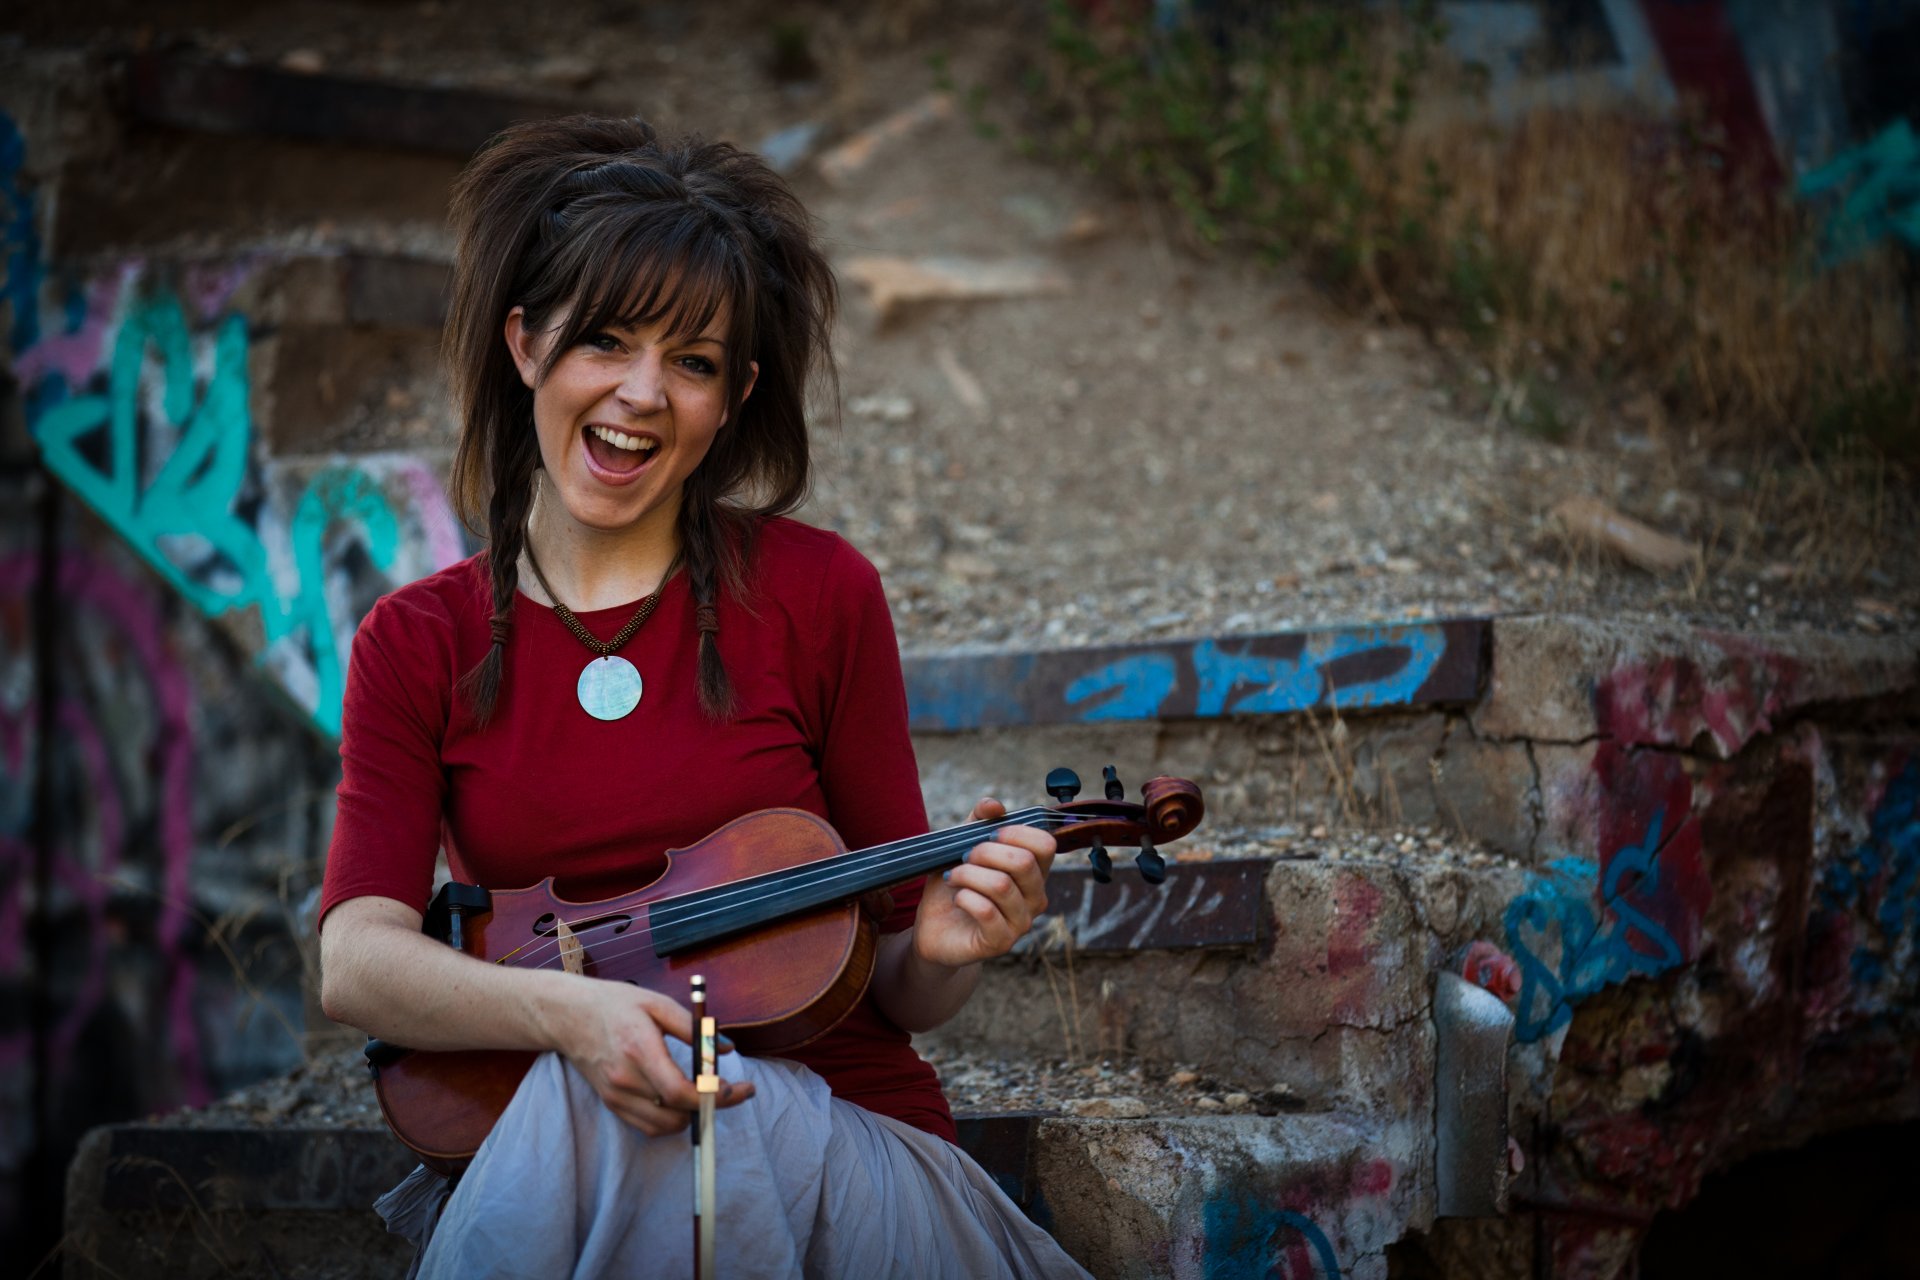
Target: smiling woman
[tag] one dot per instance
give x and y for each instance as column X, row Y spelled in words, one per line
column 649, row 649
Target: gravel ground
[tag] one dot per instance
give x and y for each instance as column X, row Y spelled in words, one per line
column 1172, row 445
column 333, row 1091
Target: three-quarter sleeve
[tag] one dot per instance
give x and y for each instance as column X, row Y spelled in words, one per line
column 392, row 793
column 867, row 770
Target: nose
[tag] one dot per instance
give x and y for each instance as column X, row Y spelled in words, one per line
column 643, row 383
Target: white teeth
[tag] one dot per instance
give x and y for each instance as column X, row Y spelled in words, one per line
column 621, row 440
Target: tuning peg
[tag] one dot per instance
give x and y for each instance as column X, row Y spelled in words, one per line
column 1114, row 790
column 1153, row 867
column 1101, row 862
column 1063, row 785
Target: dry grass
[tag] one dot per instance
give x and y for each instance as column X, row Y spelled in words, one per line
column 1581, row 256
column 1604, row 245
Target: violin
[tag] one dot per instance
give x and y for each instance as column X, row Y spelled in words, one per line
column 767, row 908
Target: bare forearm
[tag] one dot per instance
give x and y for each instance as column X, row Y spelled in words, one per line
column 918, row 994
column 398, row 984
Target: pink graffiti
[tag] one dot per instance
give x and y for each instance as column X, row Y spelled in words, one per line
column 88, row 585
column 209, row 286
column 1350, row 948
column 1677, row 702
column 77, row 356
column 1673, row 891
column 429, row 505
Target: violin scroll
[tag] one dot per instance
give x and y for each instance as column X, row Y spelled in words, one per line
column 1173, row 807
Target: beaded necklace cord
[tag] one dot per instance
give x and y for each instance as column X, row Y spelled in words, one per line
column 605, row 648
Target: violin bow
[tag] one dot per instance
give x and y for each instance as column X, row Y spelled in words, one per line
column 707, row 1084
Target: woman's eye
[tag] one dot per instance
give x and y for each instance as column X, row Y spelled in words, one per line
column 601, row 342
column 699, row 364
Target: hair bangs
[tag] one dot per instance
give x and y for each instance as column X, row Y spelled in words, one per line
column 632, row 268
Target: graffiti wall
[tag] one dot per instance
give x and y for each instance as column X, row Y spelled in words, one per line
column 1733, row 966
column 177, row 607
column 142, row 407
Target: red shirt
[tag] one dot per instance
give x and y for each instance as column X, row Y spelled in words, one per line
column 545, row 789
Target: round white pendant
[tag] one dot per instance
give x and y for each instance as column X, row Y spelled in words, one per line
column 609, row 688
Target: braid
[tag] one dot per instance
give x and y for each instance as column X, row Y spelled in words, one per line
column 707, row 553
column 507, row 533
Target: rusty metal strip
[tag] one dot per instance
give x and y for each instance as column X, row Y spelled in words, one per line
column 1352, row 668
column 1202, row 904
column 210, row 97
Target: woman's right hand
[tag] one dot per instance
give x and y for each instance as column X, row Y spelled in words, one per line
column 381, row 974
column 616, row 1038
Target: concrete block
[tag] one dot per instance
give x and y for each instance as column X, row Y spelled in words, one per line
column 1486, row 790
column 1254, row 772
column 1568, row 680
column 145, row 1200
column 326, row 388
column 185, row 92
column 164, row 187
column 1299, row 1195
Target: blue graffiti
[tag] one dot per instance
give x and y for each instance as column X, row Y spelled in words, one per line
column 1594, row 949
column 951, row 694
column 1883, row 200
column 1140, row 684
column 1887, row 861
column 1294, row 684
column 1243, row 1237
column 1136, row 687
column 19, row 241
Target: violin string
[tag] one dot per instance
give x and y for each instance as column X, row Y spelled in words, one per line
column 790, row 877
column 947, row 840
column 950, row 839
column 538, row 955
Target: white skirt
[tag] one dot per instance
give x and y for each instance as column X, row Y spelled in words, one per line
column 809, row 1185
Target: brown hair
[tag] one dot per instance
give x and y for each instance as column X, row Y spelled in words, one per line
column 601, row 219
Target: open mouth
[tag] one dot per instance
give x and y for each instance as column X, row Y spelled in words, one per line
column 616, row 452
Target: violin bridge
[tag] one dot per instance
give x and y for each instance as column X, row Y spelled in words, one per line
column 573, row 957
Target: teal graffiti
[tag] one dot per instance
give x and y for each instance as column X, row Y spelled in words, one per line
column 340, row 493
column 1294, row 684
column 1594, row 949
column 1141, row 683
column 189, row 507
column 191, row 497
column 1883, row 201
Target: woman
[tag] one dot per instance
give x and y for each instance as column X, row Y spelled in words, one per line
column 648, row 650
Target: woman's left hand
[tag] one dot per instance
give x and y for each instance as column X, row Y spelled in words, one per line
column 980, row 908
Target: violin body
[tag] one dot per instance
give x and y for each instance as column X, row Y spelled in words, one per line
column 771, row 990
column 767, row 909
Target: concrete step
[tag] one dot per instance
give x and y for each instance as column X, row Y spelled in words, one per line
column 1128, row 1198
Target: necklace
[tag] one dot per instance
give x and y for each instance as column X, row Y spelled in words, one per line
column 609, row 686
